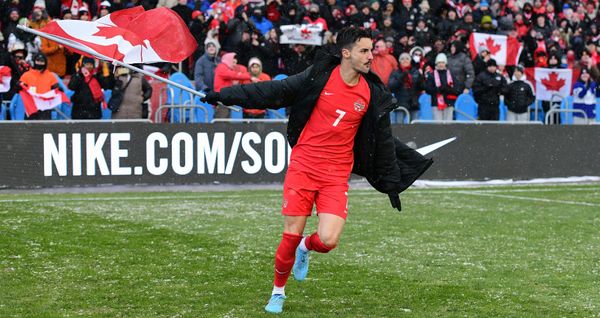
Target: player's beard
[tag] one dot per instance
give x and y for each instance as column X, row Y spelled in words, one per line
column 362, row 68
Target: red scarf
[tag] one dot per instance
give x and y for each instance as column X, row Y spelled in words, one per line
column 92, row 82
column 441, row 102
column 408, row 81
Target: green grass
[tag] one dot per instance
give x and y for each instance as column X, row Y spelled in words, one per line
column 529, row 251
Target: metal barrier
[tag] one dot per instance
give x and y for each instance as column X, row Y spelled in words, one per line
column 249, row 120
column 182, row 112
column 553, row 111
column 465, row 114
column 405, row 111
column 476, row 122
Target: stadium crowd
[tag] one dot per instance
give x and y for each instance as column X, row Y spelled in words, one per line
column 420, row 47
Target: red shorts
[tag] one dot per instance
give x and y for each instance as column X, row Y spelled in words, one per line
column 302, row 191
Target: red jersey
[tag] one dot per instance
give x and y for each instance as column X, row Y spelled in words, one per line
column 325, row 147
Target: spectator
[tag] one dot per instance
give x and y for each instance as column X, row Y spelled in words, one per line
column 443, row 89
column 480, row 62
column 204, row 70
column 460, row 66
column 228, row 73
column 518, row 96
column 255, row 70
column 39, row 16
column 57, row 61
column 314, row 17
column 584, row 98
column 88, row 96
column 274, row 66
column 297, row 59
column 383, row 63
column 406, row 84
column 260, row 23
column 183, row 11
column 487, row 88
column 18, row 65
column 136, row 91
column 39, row 80
column 254, row 46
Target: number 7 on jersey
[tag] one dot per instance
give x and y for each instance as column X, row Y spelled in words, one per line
column 337, row 121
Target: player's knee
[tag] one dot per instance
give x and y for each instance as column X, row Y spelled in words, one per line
column 330, row 241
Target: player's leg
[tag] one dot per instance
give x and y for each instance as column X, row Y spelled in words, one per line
column 284, row 260
column 333, row 209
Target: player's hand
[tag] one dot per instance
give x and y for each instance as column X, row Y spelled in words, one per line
column 395, row 201
column 211, row 98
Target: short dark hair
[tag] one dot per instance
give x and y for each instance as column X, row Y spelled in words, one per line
column 348, row 36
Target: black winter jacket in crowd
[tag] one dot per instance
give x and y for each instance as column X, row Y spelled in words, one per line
column 518, row 95
column 407, row 96
column 487, row 88
column 388, row 165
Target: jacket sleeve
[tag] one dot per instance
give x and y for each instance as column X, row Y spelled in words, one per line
column 269, row 94
column 199, row 75
column 75, row 82
column 430, row 87
column 233, row 75
column 146, row 89
column 395, row 80
column 470, row 73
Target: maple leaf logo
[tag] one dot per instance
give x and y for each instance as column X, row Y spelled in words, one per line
column 111, row 32
column 553, row 82
column 305, row 33
column 491, row 45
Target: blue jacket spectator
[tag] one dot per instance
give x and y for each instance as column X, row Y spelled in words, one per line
column 584, row 97
column 204, row 70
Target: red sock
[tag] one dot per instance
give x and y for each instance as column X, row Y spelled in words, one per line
column 314, row 243
column 284, row 257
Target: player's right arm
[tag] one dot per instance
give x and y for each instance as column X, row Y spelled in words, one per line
column 270, row 94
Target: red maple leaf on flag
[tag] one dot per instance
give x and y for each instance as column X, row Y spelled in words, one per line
column 553, row 82
column 111, row 32
column 305, row 33
column 491, row 45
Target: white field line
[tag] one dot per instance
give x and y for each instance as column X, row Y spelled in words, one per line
column 508, row 196
column 369, row 193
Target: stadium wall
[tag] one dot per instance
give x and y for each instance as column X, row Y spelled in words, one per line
column 66, row 154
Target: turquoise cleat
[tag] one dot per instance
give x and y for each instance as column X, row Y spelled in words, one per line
column 275, row 304
column 300, row 265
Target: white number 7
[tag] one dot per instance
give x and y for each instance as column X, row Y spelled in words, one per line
column 337, row 121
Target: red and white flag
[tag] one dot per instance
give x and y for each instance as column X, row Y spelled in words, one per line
column 5, row 77
column 551, row 82
column 505, row 50
column 307, row 34
column 48, row 100
column 130, row 35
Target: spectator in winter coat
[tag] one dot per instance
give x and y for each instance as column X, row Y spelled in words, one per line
column 260, row 22
column 443, row 89
column 518, row 95
column 383, row 63
column 487, row 89
column 88, row 96
column 255, row 70
column 406, row 84
column 584, row 98
column 460, row 65
column 480, row 62
column 204, row 70
column 136, row 91
column 313, row 16
column 229, row 73
column 39, row 80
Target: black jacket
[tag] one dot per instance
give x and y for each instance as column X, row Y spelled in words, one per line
column 450, row 93
column 487, row 89
column 407, row 96
column 518, row 95
column 388, row 165
column 84, row 106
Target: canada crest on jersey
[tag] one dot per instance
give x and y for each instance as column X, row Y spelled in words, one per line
column 359, row 105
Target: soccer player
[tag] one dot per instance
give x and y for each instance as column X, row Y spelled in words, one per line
column 339, row 123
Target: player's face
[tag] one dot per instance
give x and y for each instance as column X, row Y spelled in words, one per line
column 361, row 55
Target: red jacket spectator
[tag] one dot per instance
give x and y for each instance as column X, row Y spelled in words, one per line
column 383, row 63
column 229, row 73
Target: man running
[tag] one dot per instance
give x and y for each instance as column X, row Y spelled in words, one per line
column 339, row 123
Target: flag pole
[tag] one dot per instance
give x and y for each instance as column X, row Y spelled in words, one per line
column 84, row 49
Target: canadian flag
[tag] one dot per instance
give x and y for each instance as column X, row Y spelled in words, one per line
column 505, row 50
column 130, row 36
column 552, row 82
column 5, row 77
column 48, row 100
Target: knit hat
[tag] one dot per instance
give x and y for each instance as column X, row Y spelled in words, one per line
column 39, row 4
column 213, row 42
column 227, row 59
column 491, row 62
column 486, row 19
column 404, row 56
column 195, row 14
column 484, row 4
column 416, row 48
column 482, row 48
column 441, row 58
column 86, row 59
column 254, row 60
column 520, row 68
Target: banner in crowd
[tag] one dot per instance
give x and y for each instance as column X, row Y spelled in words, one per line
column 549, row 82
column 505, row 50
column 5, row 77
column 130, row 35
column 48, row 100
column 308, row 34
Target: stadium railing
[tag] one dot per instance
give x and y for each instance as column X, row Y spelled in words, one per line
column 476, row 122
column 550, row 119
